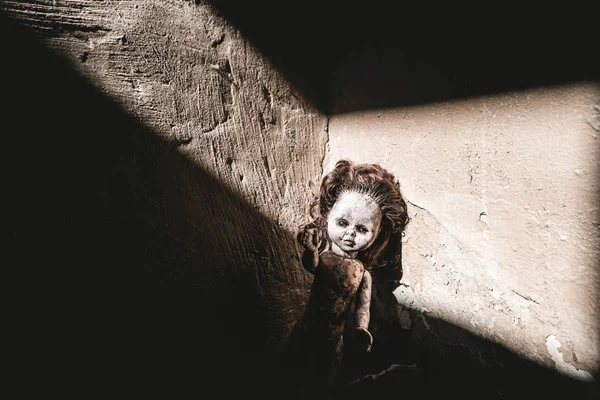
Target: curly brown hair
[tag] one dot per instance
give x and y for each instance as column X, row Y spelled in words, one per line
column 377, row 183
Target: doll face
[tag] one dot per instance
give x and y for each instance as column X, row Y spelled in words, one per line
column 353, row 223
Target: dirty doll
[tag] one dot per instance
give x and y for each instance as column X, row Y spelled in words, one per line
column 355, row 237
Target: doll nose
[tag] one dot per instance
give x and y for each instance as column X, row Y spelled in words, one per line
column 351, row 232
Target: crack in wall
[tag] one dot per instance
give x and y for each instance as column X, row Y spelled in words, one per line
column 461, row 244
column 525, row 297
column 327, row 151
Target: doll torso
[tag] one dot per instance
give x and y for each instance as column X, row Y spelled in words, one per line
column 316, row 343
column 334, row 288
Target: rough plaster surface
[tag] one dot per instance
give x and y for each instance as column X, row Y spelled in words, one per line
column 503, row 197
column 196, row 82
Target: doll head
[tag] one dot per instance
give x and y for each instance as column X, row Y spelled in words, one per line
column 371, row 196
column 353, row 223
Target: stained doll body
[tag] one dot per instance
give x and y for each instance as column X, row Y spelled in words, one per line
column 359, row 216
column 341, row 286
column 318, row 338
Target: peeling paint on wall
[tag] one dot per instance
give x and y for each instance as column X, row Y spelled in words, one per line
column 553, row 346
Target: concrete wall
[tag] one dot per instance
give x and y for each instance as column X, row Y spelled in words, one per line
column 179, row 161
column 503, row 199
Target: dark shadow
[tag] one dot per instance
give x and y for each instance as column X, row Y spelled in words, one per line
column 348, row 57
column 122, row 292
column 461, row 365
column 293, row 36
column 140, row 271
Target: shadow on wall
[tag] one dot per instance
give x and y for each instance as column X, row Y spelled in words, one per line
column 381, row 55
column 121, row 293
column 144, row 271
column 462, row 365
column 295, row 37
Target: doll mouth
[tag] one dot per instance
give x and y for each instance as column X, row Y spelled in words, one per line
column 349, row 243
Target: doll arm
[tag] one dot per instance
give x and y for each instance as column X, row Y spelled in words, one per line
column 363, row 313
column 308, row 241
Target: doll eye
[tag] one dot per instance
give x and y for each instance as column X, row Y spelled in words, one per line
column 362, row 229
column 343, row 223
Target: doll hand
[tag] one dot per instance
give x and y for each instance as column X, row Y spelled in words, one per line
column 310, row 238
column 364, row 340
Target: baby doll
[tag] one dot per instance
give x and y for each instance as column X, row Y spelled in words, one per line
column 354, row 237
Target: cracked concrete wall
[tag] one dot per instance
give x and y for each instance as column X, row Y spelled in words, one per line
column 184, row 72
column 504, row 237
